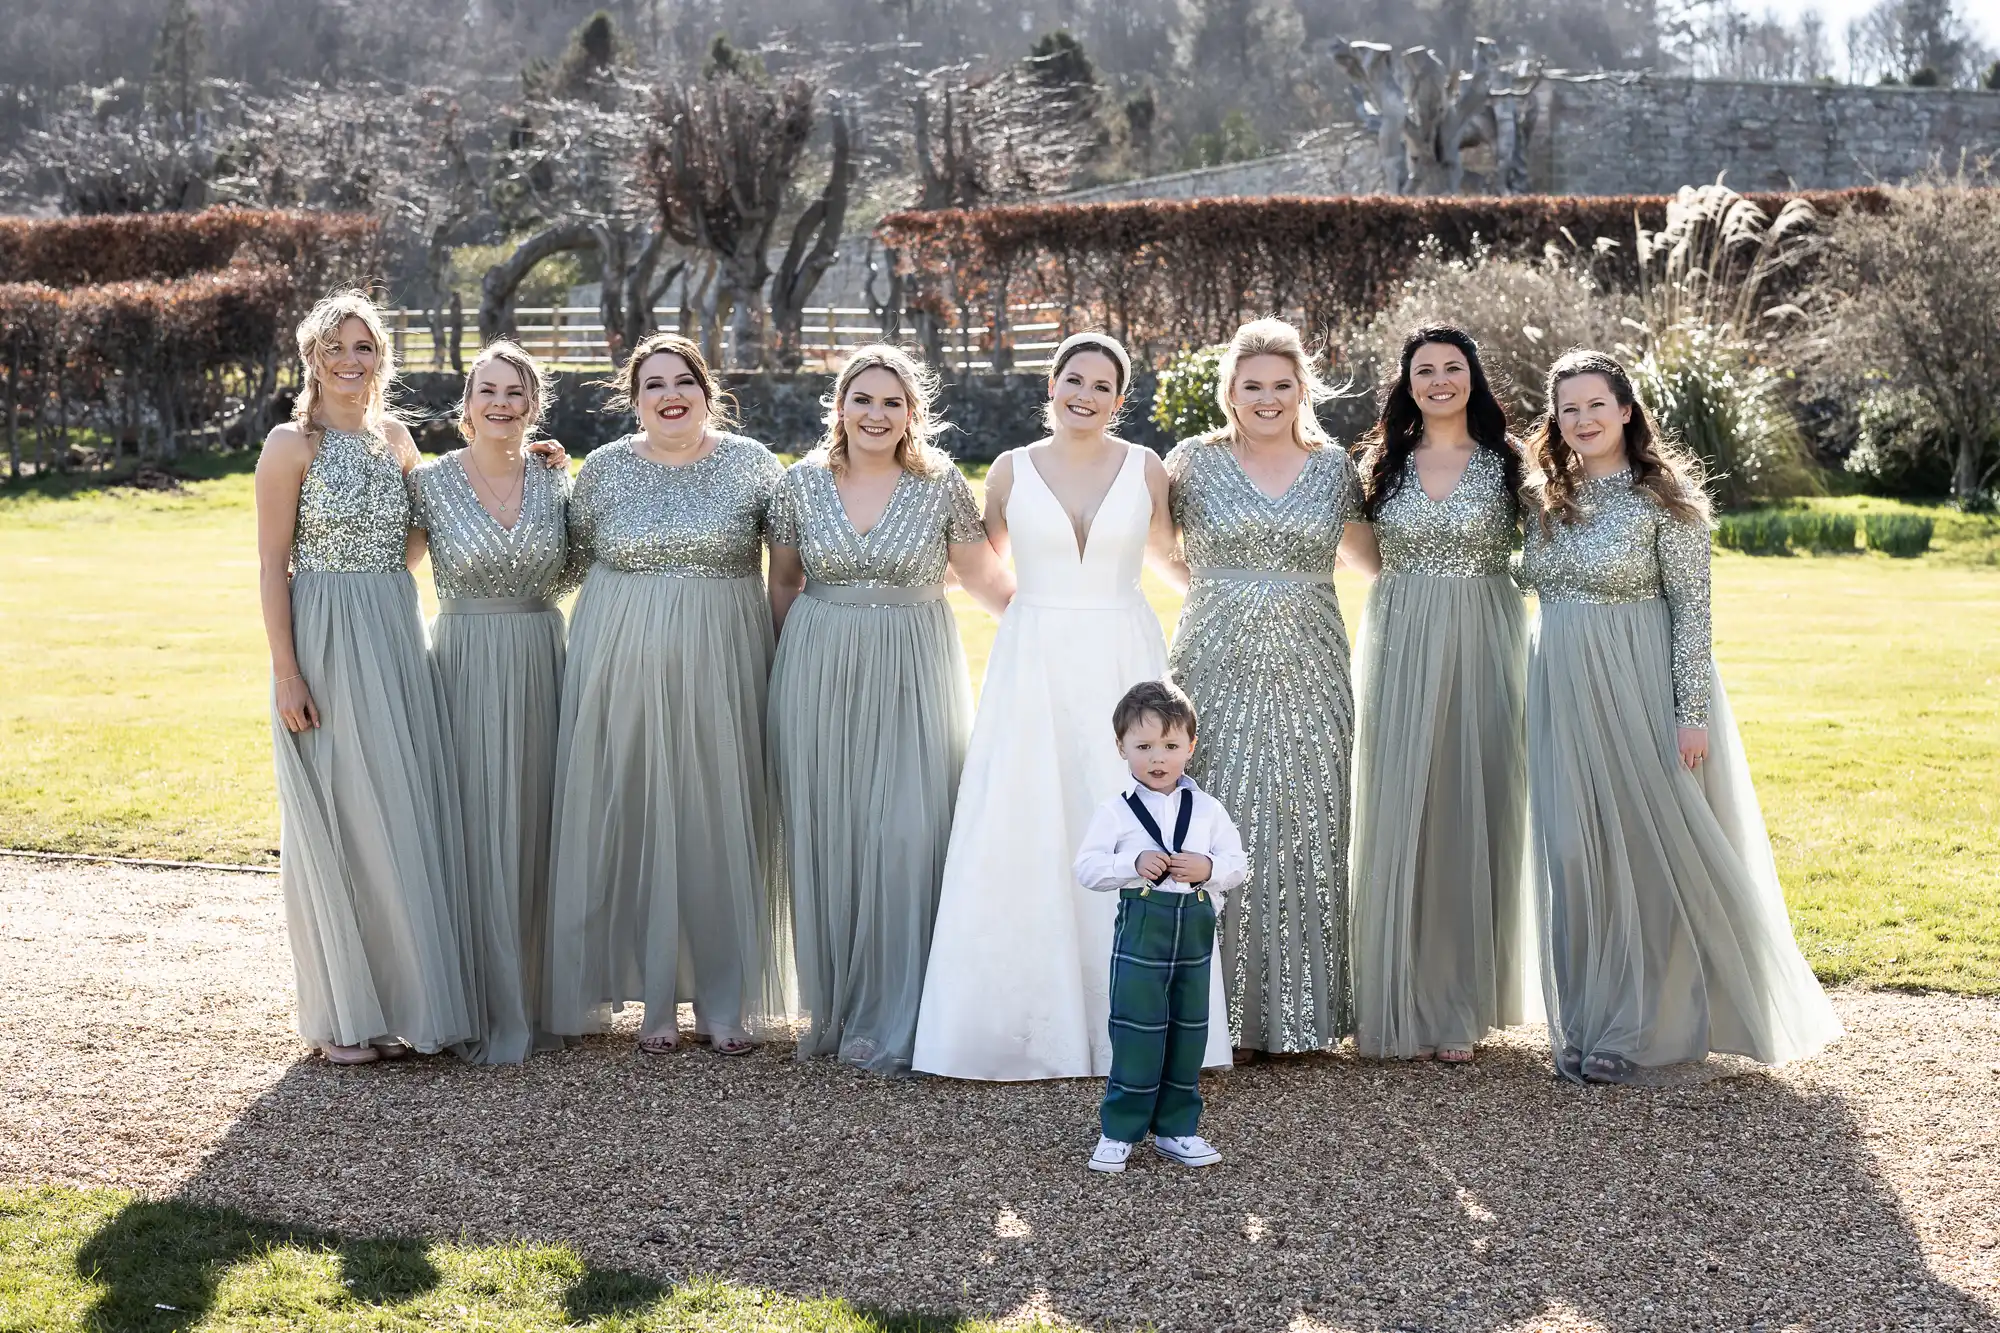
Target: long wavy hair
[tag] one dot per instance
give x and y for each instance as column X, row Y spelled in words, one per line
column 624, row 385
column 1271, row 337
column 1399, row 422
column 315, row 337
column 507, row 353
column 914, row 452
column 1660, row 467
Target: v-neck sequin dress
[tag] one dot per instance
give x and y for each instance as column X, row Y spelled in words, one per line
column 1665, row 935
column 660, row 881
column 1443, row 925
column 870, row 713
column 498, row 644
column 371, row 851
column 1262, row 651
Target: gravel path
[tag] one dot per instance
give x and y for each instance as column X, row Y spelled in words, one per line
column 146, row 1042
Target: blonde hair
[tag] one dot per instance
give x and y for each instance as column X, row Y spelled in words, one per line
column 532, row 379
column 316, row 333
column 624, row 385
column 914, row 452
column 1272, row 337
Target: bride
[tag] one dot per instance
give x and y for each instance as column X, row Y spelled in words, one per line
column 1018, row 980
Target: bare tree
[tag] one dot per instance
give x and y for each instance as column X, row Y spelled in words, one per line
column 722, row 160
column 1425, row 116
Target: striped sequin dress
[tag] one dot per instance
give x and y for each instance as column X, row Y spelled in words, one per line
column 1262, row 650
column 498, row 644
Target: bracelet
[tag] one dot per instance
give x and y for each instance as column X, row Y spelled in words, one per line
column 289, row 678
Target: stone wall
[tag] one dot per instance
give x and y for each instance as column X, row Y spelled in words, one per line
column 1649, row 135
column 990, row 413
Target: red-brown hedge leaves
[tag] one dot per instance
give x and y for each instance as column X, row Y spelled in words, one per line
column 1169, row 272
column 156, row 247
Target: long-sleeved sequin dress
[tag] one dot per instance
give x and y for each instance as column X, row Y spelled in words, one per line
column 1262, row 650
column 1665, row 934
column 870, row 713
column 1443, row 926
column 660, row 883
column 498, row 644
column 371, row 860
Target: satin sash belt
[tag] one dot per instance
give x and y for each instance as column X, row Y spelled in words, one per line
column 493, row 606
column 1262, row 575
column 873, row 595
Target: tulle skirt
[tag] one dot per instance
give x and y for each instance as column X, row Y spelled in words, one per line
column 1665, row 936
column 870, row 713
column 371, row 859
column 503, row 690
column 1443, row 919
column 660, row 885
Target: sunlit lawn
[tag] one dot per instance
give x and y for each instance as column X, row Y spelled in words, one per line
column 133, row 716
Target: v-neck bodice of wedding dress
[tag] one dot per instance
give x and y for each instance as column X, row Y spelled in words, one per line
column 1017, row 985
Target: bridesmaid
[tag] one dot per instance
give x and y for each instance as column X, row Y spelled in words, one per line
column 1665, row 928
column 1264, row 504
column 660, row 884
column 372, row 861
column 497, row 529
column 870, row 704
column 1442, row 950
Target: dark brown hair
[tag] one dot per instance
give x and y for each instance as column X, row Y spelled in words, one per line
column 1662, row 469
column 624, row 385
column 1399, row 426
column 1161, row 699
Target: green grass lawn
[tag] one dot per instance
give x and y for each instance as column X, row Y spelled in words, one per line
column 102, row 1260
column 134, row 715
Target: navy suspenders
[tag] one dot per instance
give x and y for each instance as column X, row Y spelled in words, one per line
column 1152, row 828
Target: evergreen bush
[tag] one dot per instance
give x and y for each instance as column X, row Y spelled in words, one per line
column 1904, row 535
column 1184, row 398
column 1758, row 532
column 1817, row 530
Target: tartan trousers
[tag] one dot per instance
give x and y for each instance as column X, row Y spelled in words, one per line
column 1159, row 1014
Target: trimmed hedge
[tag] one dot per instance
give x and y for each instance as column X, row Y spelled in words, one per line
column 1167, row 273
column 158, row 247
column 1903, row 535
column 1760, row 532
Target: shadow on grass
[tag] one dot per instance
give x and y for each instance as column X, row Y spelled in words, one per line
column 161, row 1262
column 204, row 466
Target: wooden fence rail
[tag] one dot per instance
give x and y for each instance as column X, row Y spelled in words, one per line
column 572, row 337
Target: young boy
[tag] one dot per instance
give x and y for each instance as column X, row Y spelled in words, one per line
column 1171, row 852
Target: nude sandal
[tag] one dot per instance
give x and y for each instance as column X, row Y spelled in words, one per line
column 1455, row 1055
column 363, row 1054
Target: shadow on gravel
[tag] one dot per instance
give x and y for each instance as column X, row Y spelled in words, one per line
column 1352, row 1195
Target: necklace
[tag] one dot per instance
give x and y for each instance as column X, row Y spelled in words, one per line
column 489, row 491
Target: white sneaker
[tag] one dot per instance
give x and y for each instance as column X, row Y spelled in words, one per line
column 1188, row 1150
column 1110, row 1155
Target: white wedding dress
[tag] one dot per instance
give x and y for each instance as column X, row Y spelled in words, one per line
column 1018, row 982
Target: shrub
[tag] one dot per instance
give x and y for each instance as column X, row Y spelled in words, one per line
column 1704, row 390
column 1184, row 397
column 1816, row 530
column 1523, row 313
column 159, row 247
column 1759, row 532
column 1900, row 447
column 1911, row 297
column 1171, row 271
column 1903, row 535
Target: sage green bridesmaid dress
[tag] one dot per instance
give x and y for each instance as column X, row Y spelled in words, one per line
column 498, row 644
column 1262, row 650
column 871, row 710
column 661, row 884
column 1443, row 928
column 1665, row 935
column 371, row 850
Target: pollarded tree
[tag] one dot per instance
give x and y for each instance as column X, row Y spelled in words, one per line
column 724, row 154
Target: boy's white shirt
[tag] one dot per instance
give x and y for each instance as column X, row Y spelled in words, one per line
column 1108, row 858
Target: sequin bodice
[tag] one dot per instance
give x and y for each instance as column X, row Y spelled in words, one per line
column 471, row 554
column 1469, row 534
column 1624, row 548
column 704, row 519
column 907, row 547
column 1227, row 522
column 354, row 508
